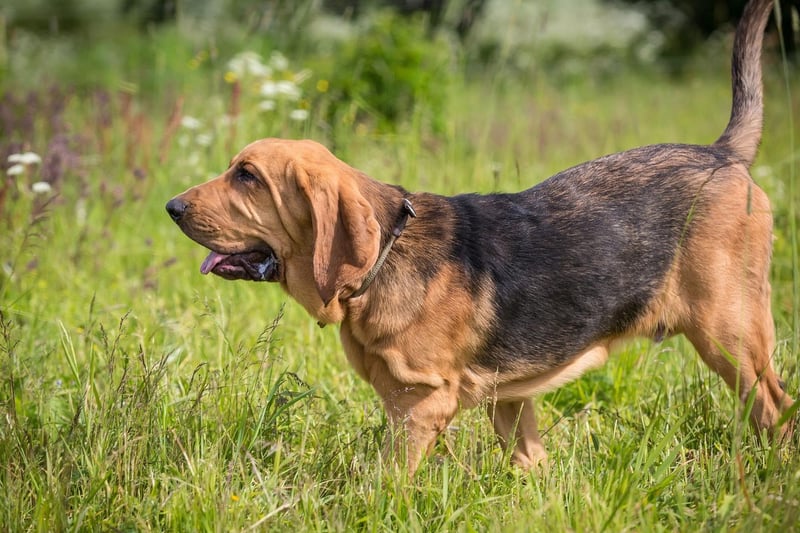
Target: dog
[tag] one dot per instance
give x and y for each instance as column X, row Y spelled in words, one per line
column 449, row 302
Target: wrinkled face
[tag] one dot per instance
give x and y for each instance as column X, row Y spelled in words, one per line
column 285, row 211
column 236, row 217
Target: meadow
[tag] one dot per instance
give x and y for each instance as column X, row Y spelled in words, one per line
column 138, row 395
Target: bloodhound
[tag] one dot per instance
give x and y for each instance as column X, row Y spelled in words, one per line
column 448, row 302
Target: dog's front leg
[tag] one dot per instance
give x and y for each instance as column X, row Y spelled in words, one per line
column 419, row 404
column 417, row 415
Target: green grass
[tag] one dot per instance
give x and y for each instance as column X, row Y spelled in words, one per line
column 136, row 394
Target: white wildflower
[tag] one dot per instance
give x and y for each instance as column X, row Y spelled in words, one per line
column 267, row 105
column 27, row 158
column 41, row 187
column 269, row 89
column 298, row 114
column 278, row 61
column 288, row 89
column 260, row 71
column 249, row 63
column 16, row 170
column 204, row 139
column 226, row 120
column 191, row 123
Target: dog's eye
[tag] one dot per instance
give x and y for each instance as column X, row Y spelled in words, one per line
column 245, row 176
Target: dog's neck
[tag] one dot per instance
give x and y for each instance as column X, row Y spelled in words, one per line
column 406, row 211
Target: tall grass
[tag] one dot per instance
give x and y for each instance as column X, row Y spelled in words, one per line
column 138, row 395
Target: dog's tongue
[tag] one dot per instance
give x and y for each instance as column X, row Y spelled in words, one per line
column 211, row 261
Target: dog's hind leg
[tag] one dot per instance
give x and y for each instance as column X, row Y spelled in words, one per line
column 515, row 425
column 725, row 276
column 741, row 354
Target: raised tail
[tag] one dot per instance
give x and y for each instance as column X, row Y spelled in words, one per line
column 743, row 133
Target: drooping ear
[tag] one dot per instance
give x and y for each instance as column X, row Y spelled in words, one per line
column 346, row 232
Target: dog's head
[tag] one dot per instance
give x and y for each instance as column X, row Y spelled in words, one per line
column 285, row 211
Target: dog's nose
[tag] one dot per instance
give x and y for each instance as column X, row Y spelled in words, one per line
column 176, row 208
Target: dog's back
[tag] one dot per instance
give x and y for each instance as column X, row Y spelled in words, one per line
column 583, row 256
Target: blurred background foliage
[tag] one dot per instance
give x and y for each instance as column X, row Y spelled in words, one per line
column 682, row 24
column 374, row 61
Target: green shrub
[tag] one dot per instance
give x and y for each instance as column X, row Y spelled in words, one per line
column 390, row 70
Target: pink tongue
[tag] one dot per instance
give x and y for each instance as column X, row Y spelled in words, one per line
column 211, row 261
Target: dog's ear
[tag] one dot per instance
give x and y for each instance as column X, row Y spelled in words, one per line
column 346, row 232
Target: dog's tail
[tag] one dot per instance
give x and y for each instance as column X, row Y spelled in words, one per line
column 743, row 134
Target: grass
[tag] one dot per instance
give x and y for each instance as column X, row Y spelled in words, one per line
column 138, row 395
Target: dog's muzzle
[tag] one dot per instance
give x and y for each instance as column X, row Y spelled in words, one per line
column 254, row 266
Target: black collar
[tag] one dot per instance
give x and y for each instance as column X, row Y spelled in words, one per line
column 406, row 211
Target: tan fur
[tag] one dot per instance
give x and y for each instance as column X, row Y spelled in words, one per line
column 516, row 427
column 415, row 343
column 514, row 387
